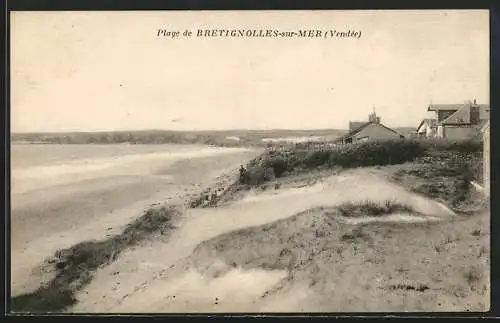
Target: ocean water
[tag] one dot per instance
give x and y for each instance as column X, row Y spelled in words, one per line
column 38, row 166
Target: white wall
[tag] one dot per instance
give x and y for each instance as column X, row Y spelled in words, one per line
column 429, row 132
column 440, row 132
column 460, row 132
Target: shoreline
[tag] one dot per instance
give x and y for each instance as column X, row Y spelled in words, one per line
column 281, row 224
column 111, row 206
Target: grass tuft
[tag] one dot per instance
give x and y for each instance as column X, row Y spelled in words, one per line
column 75, row 265
column 370, row 208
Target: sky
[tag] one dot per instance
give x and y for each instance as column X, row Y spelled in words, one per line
column 105, row 71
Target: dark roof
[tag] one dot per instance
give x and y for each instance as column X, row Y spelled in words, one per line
column 366, row 124
column 461, row 116
column 448, row 107
column 356, row 124
column 454, row 106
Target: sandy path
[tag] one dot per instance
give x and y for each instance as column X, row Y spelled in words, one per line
column 59, row 216
column 147, row 278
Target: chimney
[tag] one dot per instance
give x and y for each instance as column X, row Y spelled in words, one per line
column 474, row 114
column 474, row 101
column 372, row 117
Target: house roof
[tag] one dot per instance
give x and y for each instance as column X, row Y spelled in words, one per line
column 484, row 108
column 462, row 112
column 461, row 116
column 366, row 124
column 356, row 124
column 428, row 121
column 447, row 107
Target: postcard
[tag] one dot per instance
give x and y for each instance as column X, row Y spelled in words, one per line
column 250, row 161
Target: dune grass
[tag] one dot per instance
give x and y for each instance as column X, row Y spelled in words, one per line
column 370, row 208
column 445, row 177
column 76, row 265
column 431, row 266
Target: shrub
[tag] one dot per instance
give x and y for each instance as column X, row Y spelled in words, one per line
column 255, row 175
column 389, row 152
column 43, row 300
column 317, row 158
column 446, row 154
column 369, row 208
column 277, row 164
column 375, row 153
column 464, row 146
column 445, row 176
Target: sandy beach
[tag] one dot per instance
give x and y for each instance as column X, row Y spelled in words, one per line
column 279, row 249
column 70, row 195
column 284, row 248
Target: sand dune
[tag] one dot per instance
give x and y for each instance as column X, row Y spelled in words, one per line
column 237, row 258
column 150, row 274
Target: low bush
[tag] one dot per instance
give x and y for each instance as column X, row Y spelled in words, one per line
column 255, row 175
column 463, row 146
column 369, row 208
column 448, row 180
column 364, row 154
column 457, row 155
column 278, row 165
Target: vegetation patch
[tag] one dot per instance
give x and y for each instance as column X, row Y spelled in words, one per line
column 213, row 198
column 369, row 208
column 438, row 168
column 76, row 265
column 276, row 164
column 447, row 177
column 343, row 263
column 408, row 287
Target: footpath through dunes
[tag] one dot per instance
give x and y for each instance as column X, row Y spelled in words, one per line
column 100, row 206
column 266, row 251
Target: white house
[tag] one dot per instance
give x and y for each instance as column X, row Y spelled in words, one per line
column 459, row 121
column 427, row 128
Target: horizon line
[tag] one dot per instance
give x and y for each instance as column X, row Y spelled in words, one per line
column 186, row 130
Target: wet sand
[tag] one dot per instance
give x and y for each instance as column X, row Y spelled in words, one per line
column 77, row 203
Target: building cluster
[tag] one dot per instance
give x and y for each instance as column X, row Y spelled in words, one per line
column 463, row 121
column 468, row 120
column 454, row 121
column 450, row 121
